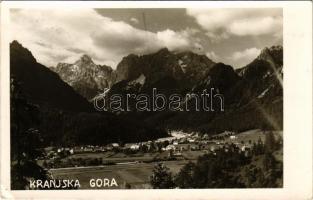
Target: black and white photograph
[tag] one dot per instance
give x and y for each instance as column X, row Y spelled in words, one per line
column 146, row 98
column 124, row 98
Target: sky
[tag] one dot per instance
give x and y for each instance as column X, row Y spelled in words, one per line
column 229, row 35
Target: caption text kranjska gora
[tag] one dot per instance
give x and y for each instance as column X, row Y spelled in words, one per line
column 72, row 183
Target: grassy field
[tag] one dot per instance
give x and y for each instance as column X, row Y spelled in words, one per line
column 136, row 175
column 111, row 157
column 140, row 157
column 252, row 135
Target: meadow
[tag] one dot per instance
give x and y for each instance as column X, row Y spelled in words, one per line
column 136, row 175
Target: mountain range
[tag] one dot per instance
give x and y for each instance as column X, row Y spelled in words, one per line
column 41, row 85
column 89, row 79
column 66, row 117
column 253, row 94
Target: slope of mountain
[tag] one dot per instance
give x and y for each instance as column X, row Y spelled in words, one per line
column 186, row 67
column 128, row 69
column 40, row 84
column 194, row 66
column 221, row 77
column 253, row 95
column 264, row 75
column 254, row 99
column 86, row 77
column 167, row 71
column 66, row 118
column 89, row 79
column 273, row 57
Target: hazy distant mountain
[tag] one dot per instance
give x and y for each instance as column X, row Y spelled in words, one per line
column 40, row 84
column 86, row 77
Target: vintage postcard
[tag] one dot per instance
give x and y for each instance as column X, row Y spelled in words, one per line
column 145, row 100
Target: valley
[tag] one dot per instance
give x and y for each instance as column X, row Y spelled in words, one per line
column 132, row 167
column 126, row 146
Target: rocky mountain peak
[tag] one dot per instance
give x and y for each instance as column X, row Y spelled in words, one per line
column 163, row 51
column 128, row 68
column 17, row 48
column 273, row 54
column 86, row 77
column 220, row 76
column 84, row 60
column 41, row 85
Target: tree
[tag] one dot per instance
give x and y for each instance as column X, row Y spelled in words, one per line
column 26, row 140
column 269, row 161
column 152, row 147
column 185, row 179
column 161, row 177
column 260, row 147
column 143, row 148
column 45, row 164
column 270, row 143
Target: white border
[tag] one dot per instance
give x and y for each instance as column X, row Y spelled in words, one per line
column 297, row 107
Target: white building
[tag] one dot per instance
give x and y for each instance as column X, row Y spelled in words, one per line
column 134, row 147
column 191, row 140
column 232, row 137
column 71, row 151
column 170, row 147
column 115, row 145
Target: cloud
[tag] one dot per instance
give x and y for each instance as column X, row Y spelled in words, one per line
column 175, row 40
column 212, row 55
column 220, row 23
column 215, row 38
column 63, row 35
column 255, row 26
column 242, row 58
column 134, row 20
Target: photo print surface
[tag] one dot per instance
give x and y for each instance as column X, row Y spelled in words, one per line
column 146, row 98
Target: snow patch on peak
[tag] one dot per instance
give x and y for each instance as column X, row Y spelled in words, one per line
column 263, row 93
column 141, row 80
column 182, row 65
column 74, row 68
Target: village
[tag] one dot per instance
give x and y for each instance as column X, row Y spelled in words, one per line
column 179, row 146
column 131, row 164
